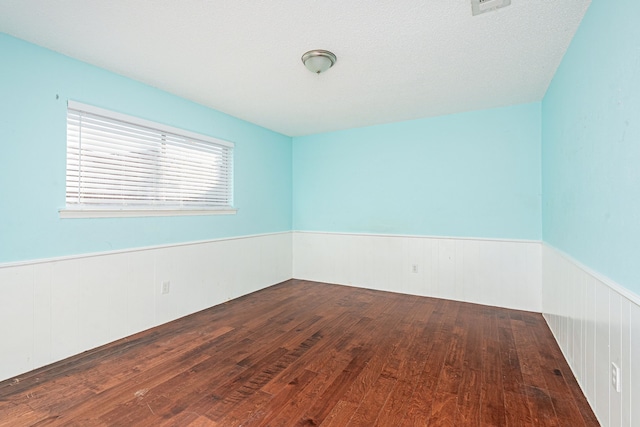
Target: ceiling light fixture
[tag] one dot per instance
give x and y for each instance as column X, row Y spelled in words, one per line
column 318, row 60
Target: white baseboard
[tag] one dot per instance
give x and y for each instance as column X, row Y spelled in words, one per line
column 52, row 309
column 504, row 273
column 595, row 324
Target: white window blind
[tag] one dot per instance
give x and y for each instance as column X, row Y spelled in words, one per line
column 118, row 162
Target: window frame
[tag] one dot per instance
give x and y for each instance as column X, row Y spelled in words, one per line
column 138, row 209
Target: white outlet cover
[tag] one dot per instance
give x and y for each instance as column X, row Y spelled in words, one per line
column 166, row 286
column 615, row 377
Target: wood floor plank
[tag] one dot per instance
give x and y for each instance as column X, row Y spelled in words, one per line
column 325, row 401
column 294, row 409
column 341, row 414
column 444, row 409
column 385, row 345
column 470, row 390
column 406, row 364
column 517, row 404
column 268, row 410
column 438, row 332
column 332, row 333
column 302, row 354
column 492, row 408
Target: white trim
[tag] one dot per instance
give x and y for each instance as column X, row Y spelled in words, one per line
column 67, row 213
column 628, row 294
column 419, row 236
column 129, row 250
column 497, row 273
column 75, row 105
column 67, row 307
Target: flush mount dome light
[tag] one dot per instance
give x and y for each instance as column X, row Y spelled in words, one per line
column 318, row 61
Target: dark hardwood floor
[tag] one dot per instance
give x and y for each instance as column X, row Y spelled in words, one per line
column 310, row 354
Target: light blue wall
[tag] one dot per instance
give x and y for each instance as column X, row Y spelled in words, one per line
column 472, row 174
column 32, row 160
column 591, row 145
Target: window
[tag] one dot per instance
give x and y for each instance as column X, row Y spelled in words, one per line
column 119, row 165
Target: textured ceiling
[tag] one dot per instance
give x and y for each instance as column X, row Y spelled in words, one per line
column 397, row 60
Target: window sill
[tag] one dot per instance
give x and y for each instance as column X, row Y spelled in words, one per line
column 130, row 213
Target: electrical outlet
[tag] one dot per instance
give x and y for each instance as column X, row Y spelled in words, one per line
column 615, row 377
column 165, row 287
column 414, row 268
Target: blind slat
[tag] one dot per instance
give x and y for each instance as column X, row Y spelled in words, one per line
column 112, row 162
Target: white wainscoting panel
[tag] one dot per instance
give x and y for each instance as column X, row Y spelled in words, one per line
column 596, row 322
column 52, row 309
column 492, row 272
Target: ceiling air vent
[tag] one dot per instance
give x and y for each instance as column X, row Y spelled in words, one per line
column 482, row 6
